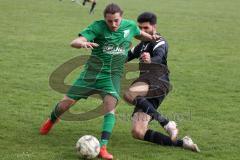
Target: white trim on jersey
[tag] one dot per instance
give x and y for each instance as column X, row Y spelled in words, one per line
column 132, row 49
column 146, row 46
column 159, row 44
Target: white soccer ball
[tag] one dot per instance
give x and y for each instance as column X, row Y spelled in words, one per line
column 88, row 147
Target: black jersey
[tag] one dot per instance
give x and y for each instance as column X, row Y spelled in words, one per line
column 158, row 51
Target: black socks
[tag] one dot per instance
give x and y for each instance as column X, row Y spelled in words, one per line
column 161, row 139
column 147, row 107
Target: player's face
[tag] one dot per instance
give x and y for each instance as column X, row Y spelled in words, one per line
column 147, row 27
column 113, row 21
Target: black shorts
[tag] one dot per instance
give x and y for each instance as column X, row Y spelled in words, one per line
column 156, row 76
column 159, row 85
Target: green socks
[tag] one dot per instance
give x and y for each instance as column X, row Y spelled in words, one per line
column 108, row 124
column 54, row 115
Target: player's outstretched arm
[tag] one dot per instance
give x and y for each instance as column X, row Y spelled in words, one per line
column 81, row 42
column 147, row 37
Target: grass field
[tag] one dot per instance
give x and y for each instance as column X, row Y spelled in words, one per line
column 204, row 62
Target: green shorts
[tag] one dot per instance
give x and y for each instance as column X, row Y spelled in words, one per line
column 91, row 83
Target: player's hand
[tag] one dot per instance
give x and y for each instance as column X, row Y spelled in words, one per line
column 89, row 45
column 155, row 37
column 81, row 42
column 145, row 56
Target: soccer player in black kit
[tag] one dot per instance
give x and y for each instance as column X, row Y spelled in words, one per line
column 93, row 4
column 148, row 91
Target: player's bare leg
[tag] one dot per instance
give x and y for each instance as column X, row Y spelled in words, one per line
column 141, row 131
column 109, row 104
column 136, row 96
column 140, row 122
column 59, row 109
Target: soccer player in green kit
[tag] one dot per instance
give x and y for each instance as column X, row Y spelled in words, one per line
column 109, row 40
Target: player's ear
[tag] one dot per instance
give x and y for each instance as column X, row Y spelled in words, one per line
column 154, row 26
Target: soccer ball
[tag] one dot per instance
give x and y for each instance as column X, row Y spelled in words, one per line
column 88, row 147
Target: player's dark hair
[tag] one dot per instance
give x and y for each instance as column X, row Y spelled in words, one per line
column 112, row 9
column 147, row 17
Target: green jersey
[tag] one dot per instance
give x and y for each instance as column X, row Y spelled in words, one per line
column 104, row 68
column 110, row 56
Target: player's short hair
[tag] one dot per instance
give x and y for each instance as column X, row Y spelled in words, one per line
column 147, row 17
column 112, row 9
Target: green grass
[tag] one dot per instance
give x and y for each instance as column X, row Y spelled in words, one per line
column 203, row 59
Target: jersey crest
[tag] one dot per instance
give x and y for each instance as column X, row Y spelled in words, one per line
column 126, row 33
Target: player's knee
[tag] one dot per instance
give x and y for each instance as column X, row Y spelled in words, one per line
column 65, row 104
column 109, row 104
column 138, row 133
column 128, row 97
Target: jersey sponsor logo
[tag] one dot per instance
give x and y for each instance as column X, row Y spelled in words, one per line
column 126, row 33
column 111, row 48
